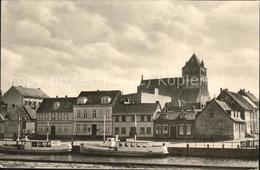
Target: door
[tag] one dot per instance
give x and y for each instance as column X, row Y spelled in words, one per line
column 94, row 130
column 132, row 132
column 52, row 130
column 173, row 132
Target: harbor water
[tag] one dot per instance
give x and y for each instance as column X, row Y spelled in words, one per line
column 83, row 161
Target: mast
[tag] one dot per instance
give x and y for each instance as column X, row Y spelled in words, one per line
column 104, row 129
column 135, row 127
column 48, row 131
column 19, row 129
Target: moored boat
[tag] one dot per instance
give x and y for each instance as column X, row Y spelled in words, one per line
column 27, row 146
column 130, row 147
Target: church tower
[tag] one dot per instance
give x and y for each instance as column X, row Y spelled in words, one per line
column 195, row 75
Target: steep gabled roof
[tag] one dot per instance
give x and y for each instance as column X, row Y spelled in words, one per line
column 193, row 61
column 30, row 92
column 65, row 104
column 250, row 95
column 140, row 108
column 94, row 97
column 222, row 104
column 237, row 98
column 31, row 112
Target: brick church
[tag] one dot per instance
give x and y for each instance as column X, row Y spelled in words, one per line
column 188, row 91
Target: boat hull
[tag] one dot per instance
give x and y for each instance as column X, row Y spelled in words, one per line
column 17, row 150
column 91, row 151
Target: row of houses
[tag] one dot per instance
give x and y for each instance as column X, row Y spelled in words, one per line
column 93, row 113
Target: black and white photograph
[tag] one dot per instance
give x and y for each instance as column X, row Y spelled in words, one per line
column 129, row 84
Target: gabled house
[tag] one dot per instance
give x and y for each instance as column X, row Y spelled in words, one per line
column 24, row 96
column 55, row 117
column 92, row 109
column 240, row 104
column 218, row 121
column 131, row 119
column 254, row 105
column 17, row 118
column 175, row 124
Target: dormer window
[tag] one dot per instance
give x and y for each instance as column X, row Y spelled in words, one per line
column 56, row 105
column 82, row 100
column 105, row 100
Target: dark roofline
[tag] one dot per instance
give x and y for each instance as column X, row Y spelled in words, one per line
column 219, row 106
column 236, row 99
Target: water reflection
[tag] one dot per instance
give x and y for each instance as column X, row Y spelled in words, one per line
column 166, row 160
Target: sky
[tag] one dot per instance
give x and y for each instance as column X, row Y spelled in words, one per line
column 64, row 47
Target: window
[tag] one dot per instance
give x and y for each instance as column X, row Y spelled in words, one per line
column 210, row 114
column 180, row 130
column 78, row 113
column 65, row 129
column 59, row 116
column 107, row 128
column 85, row 127
column 148, row 130
column 78, row 127
column 40, row 129
column 94, row 113
column 59, row 129
column 132, row 118
column 53, row 116
column 142, row 118
column 46, row 129
column 40, row 116
column 116, row 130
column 65, row 116
column 105, row 100
column 158, row 129
column 188, row 129
column 149, row 118
column 123, row 130
column 107, row 113
column 142, row 130
column 56, row 105
column 165, row 129
column 85, row 113
column 123, row 118
column 116, row 118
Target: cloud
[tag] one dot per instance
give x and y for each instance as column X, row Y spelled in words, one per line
column 88, row 45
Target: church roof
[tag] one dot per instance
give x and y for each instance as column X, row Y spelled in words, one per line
column 194, row 61
column 189, row 95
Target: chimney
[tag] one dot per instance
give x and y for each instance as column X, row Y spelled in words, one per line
column 66, row 96
column 221, row 90
column 57, row 96
column 244, row 90
column 248, row 91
